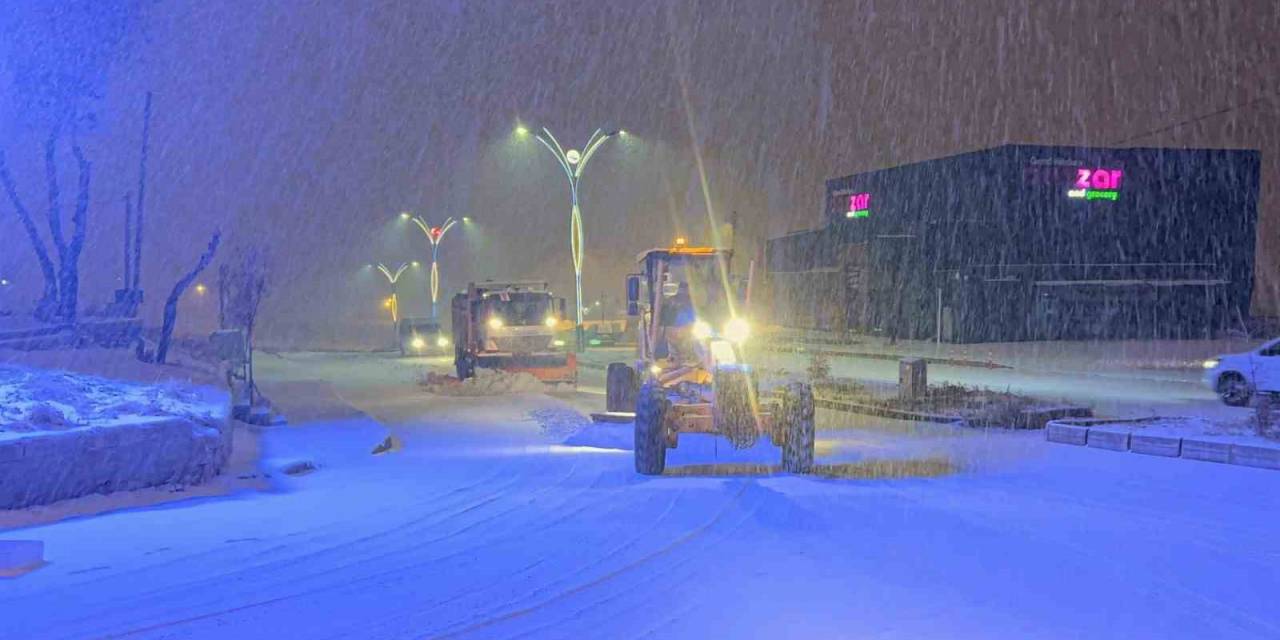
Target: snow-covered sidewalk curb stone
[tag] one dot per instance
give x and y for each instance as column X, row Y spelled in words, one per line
column 1128, row 435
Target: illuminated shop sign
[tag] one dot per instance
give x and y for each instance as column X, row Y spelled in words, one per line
column 859, row 206
column 1096, row 184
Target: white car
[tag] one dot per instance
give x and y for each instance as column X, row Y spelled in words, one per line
column 1235, row 377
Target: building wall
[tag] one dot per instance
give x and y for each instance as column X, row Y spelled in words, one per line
column 994, row 242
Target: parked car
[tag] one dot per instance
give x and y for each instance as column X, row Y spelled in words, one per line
column 1236, row 377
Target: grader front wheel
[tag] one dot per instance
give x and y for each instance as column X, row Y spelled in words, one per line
column 650, row 430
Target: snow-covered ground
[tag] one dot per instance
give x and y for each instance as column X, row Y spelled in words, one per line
column 511, row 516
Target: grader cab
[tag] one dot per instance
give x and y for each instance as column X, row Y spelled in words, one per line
column 689, row 373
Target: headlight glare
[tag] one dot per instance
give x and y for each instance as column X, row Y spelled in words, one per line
column 495, row 322
column 701, row 330
column 1210, row 363
column 737, row 330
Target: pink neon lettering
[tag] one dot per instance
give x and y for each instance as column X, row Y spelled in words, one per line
column 859, row 201
column 1082, row 178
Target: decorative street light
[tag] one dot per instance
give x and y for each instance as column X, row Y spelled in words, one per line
column 393, row 277
column 434, row 235
column 573, row 162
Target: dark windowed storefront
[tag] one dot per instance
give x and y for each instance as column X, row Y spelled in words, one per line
column 1029, row 243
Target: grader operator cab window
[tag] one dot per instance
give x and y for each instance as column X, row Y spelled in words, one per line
column 698, row 280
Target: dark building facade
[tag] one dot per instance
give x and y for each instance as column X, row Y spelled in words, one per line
column 1024, row 242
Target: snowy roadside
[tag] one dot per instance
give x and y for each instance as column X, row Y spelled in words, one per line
column 1157, row 359
column 1238, row 442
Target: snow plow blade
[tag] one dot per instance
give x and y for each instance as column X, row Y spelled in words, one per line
column 549, row 368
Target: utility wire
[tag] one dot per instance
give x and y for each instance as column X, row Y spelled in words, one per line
column 1206, row 116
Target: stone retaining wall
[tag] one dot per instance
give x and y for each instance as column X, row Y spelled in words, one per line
column 46, row 467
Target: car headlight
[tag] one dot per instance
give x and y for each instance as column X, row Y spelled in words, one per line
column 442, row 341
column 550, row 322
column 1210, row 363
column 495, row 322
column 417, row 343
column 737, row 330
column 558, row 342
column 701, row 330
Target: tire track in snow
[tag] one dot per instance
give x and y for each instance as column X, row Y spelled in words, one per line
column 347, row 582
column 627, row 543
column 673, row 574
column 638, row 562
column 404, row 620
column 209, row 580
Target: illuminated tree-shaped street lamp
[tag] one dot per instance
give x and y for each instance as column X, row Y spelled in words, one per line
column 434, row 235
column 573, row 162
column 393, row 278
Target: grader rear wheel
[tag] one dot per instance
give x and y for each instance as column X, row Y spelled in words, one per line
column 620, row 387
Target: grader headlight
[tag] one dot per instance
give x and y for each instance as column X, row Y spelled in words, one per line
column 701, row 330
column 737, row 330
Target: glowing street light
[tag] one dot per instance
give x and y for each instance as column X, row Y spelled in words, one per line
column 393, row 278
column 434, row 235
column 573, row 162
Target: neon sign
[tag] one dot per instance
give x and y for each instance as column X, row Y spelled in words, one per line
column 859, row 206
column 1096, row 184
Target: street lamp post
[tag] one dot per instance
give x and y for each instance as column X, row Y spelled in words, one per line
column 573, row 162
column 434, row 235
column 393, row 278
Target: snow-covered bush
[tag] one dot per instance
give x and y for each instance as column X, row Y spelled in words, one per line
column 819, row 368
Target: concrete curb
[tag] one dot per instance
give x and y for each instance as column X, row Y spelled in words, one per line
column 1114, row 436
column 48, row 467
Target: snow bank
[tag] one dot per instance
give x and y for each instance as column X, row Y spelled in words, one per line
column 486, row 382
column 42, row 400
column 65, row 435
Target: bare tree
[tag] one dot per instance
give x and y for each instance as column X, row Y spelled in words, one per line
column 47, row 305
column 171, row 304
column 61, row 288
column 142, row 197
column 242, row 284
column 56, row 88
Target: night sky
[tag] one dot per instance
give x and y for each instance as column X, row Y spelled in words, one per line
column 310, row 124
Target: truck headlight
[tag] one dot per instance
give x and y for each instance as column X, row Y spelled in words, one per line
column 495, row 322
column 550, row 322
column 417, row 343
column 442, row 341
column 1210, row 363
column 701, row 330
column 737, row 330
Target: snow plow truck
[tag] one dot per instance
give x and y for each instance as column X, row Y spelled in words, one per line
column 511, row 326
column 689, row 374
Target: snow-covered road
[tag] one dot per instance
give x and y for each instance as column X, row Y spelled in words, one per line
column 505, row 517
